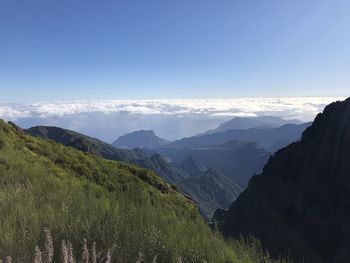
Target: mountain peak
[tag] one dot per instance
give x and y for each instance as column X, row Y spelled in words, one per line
column 140, row 139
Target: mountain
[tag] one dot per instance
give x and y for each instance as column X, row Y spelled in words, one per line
column 266, row 138
column 299, row 205
column 259, row 122
column 140, row 139
column 210, row 190
column 236, row 160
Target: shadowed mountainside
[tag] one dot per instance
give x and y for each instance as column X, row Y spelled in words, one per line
column 299, row 205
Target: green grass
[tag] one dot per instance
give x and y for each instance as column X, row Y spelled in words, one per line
column 119, row 206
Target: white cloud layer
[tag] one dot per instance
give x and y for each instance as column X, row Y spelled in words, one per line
column 304, row 108
column 171, row 119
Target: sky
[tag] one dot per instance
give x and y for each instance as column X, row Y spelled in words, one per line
column 173, row 49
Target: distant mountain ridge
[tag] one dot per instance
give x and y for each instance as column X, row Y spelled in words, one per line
column 299, row 205
column 266, row 138
column 140, row 139
column 259, row 122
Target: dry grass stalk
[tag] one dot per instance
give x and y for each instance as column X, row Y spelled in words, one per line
column 64, row 252
column 109, row 257
column 85, row 252
column 38, row 255
column 48, row 247
column 93, row 253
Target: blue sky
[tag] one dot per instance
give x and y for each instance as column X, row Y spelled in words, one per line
column 84, row 49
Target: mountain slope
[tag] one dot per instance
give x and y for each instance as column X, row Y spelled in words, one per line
column 300, row 203
column 266, row 138
column 260, row 122
column 82, row 142
column 162, row 167
column 139, row 139
column 211, row 191
column 193, row 166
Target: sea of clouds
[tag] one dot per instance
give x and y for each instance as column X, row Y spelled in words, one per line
column 170, row 118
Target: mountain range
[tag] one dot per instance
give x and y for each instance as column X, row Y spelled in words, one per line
column 171, row 173
column 299, row 205
column 231, row 163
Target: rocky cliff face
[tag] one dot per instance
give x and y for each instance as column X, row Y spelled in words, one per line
column 300, row 204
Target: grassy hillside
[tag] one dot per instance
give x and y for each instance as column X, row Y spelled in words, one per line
column 121, row 207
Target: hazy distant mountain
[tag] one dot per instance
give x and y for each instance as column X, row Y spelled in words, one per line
column 140, row 139
column 299, row 205
column 266, row 138
column 210, row 190
column 260, row 122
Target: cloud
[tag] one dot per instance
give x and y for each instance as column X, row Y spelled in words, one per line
column 303, row 108
column 171, row 119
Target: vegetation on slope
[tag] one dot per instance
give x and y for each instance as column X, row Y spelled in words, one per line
column 211, row 190
column 120, row 207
